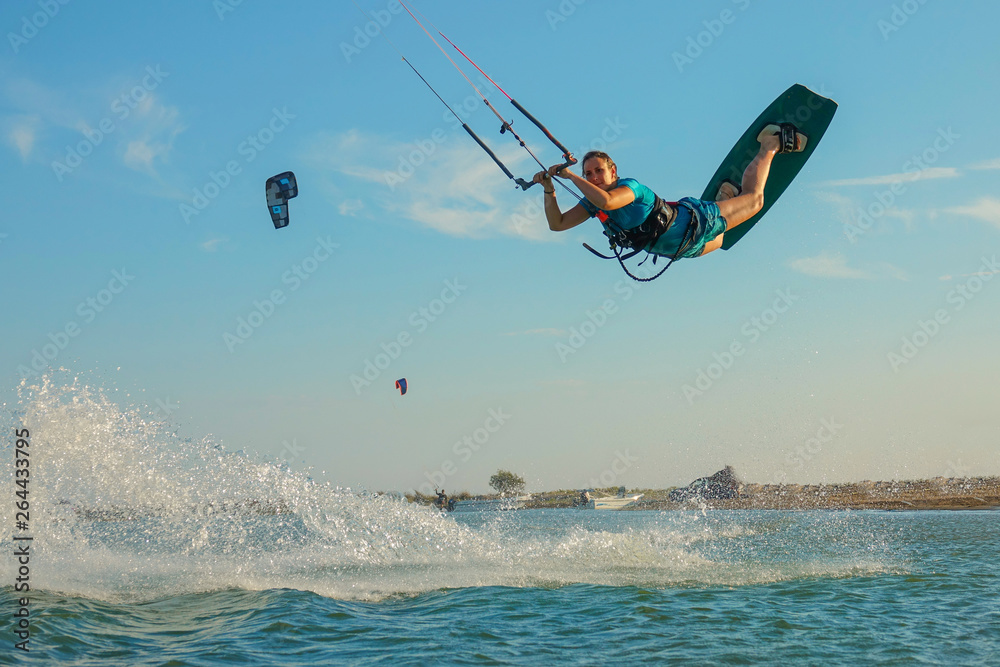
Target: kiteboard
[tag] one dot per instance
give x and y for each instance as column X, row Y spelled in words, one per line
column 811, row 113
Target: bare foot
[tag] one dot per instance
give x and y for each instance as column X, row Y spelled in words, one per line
column 770, row 138
column 727, row 191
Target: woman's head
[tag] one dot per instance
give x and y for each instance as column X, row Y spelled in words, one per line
column 599, row 168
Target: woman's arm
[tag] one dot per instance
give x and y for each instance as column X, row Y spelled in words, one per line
column 608, row 201
column 559, row 221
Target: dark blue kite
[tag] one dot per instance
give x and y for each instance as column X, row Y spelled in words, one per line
column 279, row 190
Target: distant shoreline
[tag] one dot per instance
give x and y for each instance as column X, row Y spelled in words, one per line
column 940, row 493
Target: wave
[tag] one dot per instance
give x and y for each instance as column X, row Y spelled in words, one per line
column 124, row 509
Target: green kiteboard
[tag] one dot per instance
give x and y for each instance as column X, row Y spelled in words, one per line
column 811, row 113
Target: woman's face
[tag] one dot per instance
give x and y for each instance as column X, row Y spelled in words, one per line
column 598, row 172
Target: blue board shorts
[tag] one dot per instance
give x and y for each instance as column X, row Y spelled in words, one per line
column 709, row 224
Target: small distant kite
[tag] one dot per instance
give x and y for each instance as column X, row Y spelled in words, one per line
column 401, row 386
column 279, row 190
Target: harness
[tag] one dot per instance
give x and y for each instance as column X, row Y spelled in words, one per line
column 642, row 237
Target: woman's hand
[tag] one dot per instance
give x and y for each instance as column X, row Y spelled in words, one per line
column 558, row 170
column 543, row 178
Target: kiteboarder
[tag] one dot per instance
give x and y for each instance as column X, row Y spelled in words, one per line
column 636, row 220
column 634, row 217
column 442, row 499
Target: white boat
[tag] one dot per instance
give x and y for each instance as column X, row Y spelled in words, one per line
column 612, row 502
column 492, row 504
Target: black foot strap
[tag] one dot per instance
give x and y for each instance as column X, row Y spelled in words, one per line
column 788, row 140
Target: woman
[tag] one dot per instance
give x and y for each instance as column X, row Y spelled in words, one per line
column 634, row 217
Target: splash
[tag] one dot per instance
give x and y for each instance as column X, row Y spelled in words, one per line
column 124, row 509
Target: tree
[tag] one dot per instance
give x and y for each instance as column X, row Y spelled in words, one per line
column 506, row 482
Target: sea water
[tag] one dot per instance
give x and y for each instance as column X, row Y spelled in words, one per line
column 152, row 550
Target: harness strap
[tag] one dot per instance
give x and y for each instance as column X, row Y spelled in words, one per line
column 646, row 234
column 629, row 255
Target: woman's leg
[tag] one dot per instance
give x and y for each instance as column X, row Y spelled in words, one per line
column 745, row 206
column 714, row 244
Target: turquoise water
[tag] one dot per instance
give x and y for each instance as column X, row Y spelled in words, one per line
column 194, row 573
column 570, row 586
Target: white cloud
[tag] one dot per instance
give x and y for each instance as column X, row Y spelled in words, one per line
column 350, row 207
column 24, row 139
column 891, row 271
column 906, row 215
column 836, row 199
column 895, row 179
column 454, row 187
column 986, row 208
column 835, row 265
column 363, row 173
column 139, row 155
column 844, row 207
column 37, row 100
column 852, row 212
column 828, row 265
column 213, row 244
column 339, row 152
column 22, row 132
column 981, row 274
column 142, row 138
column 150, row 133
column 987, row 164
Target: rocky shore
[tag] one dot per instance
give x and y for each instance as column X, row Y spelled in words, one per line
column 937, row 493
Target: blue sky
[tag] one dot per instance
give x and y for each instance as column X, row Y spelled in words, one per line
column 851, row 335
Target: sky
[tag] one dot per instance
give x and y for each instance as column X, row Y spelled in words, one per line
column 851, row 335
